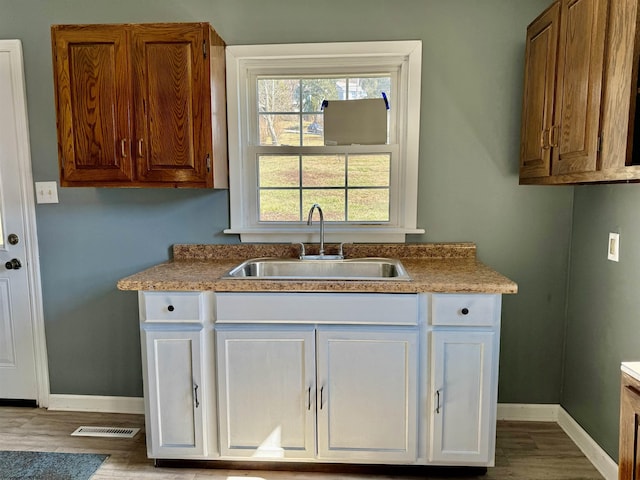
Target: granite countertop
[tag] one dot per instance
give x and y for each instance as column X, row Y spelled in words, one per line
column 433, row 267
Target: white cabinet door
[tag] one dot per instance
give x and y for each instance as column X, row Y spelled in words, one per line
column 463, row 397
column 174, row 393
column 266, row 385
column 366, row 394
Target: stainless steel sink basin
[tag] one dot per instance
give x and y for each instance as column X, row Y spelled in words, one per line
column 295, row 269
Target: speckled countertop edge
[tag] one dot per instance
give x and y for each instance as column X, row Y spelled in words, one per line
column 450, row 267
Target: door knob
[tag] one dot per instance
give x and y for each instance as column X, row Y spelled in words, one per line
column 13, row 239
column 13, row 264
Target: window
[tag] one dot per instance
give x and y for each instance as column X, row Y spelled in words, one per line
column 280, row 163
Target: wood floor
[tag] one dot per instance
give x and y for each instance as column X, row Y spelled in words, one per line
column 525, row 450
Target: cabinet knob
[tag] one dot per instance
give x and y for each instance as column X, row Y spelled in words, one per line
column 465, row 311
column 171, row 308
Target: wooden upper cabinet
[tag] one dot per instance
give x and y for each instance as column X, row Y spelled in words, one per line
column 581, row 130
column 539, row 88
column 93, row 93
column 579, row 87
column 140, row 105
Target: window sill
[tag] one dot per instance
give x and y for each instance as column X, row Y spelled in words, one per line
column 368, row 234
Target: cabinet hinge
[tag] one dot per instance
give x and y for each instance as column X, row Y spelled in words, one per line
column 204, row 49
column 208, row 163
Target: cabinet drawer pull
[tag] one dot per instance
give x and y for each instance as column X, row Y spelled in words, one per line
column 553, row 136
column 464, row 311
column 171, row 308
column 321, row 396
column 140, row 141
column 438, row 401
column 309, row 398
column 195, row 394
column 123, row 147
column 545, row 145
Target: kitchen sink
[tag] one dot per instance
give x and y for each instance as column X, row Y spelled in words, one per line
column 296, row 269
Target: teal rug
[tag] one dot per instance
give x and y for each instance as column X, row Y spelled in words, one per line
column 48, row 465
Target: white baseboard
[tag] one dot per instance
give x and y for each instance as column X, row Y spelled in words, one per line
column 596, row 455
column 525, row 412
column 519, row 412
column 96, row 403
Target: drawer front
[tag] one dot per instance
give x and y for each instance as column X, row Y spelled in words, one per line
column 173, row 307
column 454, row 309
column 320, row 308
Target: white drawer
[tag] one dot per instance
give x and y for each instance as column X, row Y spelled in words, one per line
column 173, row 306
column 465, row 309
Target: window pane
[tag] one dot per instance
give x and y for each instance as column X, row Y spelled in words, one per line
column 315, row 90
column 369, row 205
column 313, row 129
column 278, row 171
column 278, row 95
column 323, row 171
column 331, row 201
column 279, row 205
column 369, row 87
column 369, row 170
column 279, row 129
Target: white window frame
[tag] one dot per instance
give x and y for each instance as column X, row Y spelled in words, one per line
column 244, row 62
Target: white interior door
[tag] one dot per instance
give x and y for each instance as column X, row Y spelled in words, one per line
column 18, row 345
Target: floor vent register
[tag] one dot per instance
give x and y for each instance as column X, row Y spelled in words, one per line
column 112, row 432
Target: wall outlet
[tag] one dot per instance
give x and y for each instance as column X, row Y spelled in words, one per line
column 613, row 253
column 46, row 192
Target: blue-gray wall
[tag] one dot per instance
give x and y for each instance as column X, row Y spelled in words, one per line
column 471, row 95
column 603, row 315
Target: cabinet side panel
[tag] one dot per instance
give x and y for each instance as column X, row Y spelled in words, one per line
column 619, row 95
column 629, row 455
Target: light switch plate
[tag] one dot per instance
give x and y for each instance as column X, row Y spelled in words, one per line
column 613, row 253
column 46, row 192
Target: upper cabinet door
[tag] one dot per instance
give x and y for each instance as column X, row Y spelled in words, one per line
column 172, row 106
column 91, row 73
column 574, row 137
column 539, row 87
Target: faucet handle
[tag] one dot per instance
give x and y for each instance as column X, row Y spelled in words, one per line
column 302, row 250
column 341, row 251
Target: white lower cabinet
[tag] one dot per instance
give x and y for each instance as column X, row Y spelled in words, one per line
column 179, row 393
column 324, row 377
column 357, row 384
column 462, row 412
column 174, row 378
column 366, row 394
column 266, row 391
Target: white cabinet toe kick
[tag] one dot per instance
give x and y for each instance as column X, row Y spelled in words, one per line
column 337, row 378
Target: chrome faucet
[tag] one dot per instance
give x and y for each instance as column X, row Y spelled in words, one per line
column 310, row 221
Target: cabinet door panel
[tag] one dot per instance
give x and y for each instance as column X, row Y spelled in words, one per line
column 170, row 72
column 464, row 396
column 266, row 379
column 539, row 87
column 92, row 96
column 578, row 92
column 367, row 394
column 175, row 383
